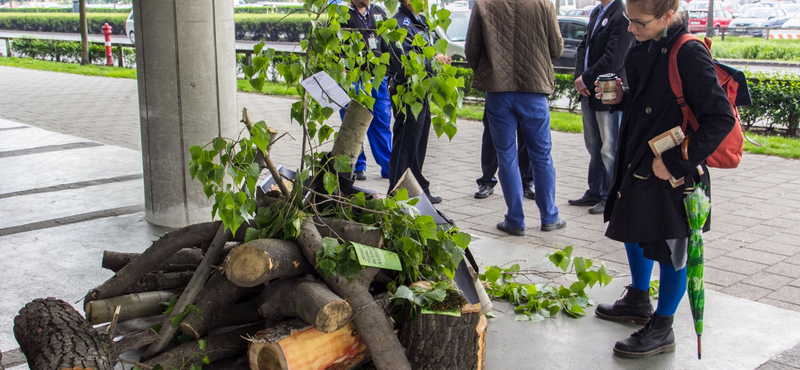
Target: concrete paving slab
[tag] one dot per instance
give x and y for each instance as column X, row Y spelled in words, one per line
column 48, row 169
column 4, row 124
column 26, row 209
column 34, row 137
column 739, row 334
column 62, row 262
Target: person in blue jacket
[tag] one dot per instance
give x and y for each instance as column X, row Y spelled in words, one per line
column 364, row 17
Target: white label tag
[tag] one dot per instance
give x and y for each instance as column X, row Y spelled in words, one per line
column 373, row 44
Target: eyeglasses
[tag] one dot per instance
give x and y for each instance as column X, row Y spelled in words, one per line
column 639, row 24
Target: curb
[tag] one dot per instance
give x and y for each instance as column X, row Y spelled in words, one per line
column 760, row 63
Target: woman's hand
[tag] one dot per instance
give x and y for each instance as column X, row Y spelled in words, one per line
column 444, row 59
column 660, row 169
column 599, row 92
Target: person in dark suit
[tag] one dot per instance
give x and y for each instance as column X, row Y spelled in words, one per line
column 489, row 165
column 643, row 210
column 602, row 51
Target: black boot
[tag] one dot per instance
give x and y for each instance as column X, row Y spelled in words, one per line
column 634, row 306
column 654, row 338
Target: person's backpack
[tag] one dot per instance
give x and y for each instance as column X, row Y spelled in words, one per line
column 733, row 81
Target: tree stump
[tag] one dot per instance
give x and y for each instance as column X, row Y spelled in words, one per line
column 445, row 342
column 52, row 335
column 297, row 345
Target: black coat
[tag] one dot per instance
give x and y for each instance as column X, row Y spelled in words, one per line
column 607, row 47
column 641, row 207
column 414, row 26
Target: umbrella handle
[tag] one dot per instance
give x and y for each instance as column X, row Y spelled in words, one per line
column 699, row 347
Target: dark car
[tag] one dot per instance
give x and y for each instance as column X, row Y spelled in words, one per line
column 572, row 31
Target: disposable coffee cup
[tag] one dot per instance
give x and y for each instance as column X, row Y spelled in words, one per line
column 608, row 82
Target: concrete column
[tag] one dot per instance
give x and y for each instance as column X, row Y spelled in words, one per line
column 186, row 63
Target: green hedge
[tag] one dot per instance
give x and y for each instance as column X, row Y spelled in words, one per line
column 760, row 49
column 272, row 27
column 282, row 9
column 565, row 88
column 776, row 101
column 68, row 51
column 63, row 10
column 62, row 22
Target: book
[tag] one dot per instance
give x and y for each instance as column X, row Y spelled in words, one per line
column 665, row 141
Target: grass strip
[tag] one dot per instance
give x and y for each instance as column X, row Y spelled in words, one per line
column 559, row 121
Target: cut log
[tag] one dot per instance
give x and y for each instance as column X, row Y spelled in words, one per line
column 183, row 260
column 160, row 280
column 232, row 363
column 135, row 341
column 133, row 306
column 216, row 308
column 297, row 345
column 161, row 249
column 349, row 231
column 218, row 347
column 52, row 335
column 370, row 320
column 262, row 260
column 189, row 294
column 307, row 299
column 352, row 132
column 443, row 341
column 409, row 182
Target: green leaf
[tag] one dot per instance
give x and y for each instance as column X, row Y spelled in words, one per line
column 426, row 226
column 437, row 295
column 553, row 310
column 416, row 107
column 514, row 268
column 206, row 360
column 158, row 367
column 331, row 182
column 330, row 245
column 342, row 164
column 564, row 292
column 522, row 317
column 327, row 266
column 580, row 264
column 462, row 239
column 324, row 133
column 257, row 83
column 201, row 344
column 441, row 46
column 404, row 293
column 348, row 269
column 251, row 234
column 492, row 274
column 577, row 287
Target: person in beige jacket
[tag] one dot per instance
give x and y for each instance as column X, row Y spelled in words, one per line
column 510, row 46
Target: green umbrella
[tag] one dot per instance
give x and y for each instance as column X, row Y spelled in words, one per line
column 697, row 209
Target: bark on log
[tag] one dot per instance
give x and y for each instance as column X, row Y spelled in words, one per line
column 215, row 303
column 183, row 260
column 232, row 363
column 161, row 249
column 192, row 290
column 370, row 320
column 445, row 342
column 307, row 299
column 297, row 345
column 349, row 231
column 52, row 335
column 352, row 132
column 262, row 260
column 133, row 306
column 1, row 361
column 159, row 280
column 135, row 341
column 218, row 347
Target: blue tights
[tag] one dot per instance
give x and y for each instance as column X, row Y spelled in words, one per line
column 672, row 283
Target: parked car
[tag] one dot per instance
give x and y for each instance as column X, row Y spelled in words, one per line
column 698, row 20
column 790, row 9
column 572, row 30
column 703, row 5
column 129, row 27
column 579, row 13
column 793, row 22
column 745, row 8
column 758, row 17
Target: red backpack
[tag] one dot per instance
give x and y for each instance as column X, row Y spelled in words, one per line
column 729, row 152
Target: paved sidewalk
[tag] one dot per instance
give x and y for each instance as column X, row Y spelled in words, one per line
column 752, row 252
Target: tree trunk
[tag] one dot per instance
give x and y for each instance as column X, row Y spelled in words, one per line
column 84, row 34
column 135, row 341
column 133, row 306
column 262, row 260
column 52, row 335
column 370, row 320
column 192, row 290
column 297, row 345
column 161, row 281
column 348, row 230
column 409, row 182
column 307, row 299
column 215, row 303
column 218, row 347
column 161, row 249
column 352, row 132
column 445, row 342
column 183, row 260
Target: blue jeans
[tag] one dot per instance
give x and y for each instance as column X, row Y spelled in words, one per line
column 601, row 135
column 530, row 112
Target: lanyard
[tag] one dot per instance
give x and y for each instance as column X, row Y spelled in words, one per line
column 362, row 18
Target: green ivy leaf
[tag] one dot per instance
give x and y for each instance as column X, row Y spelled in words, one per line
column 327, row 266
column 331, row 182
column 201, row 344
column 342, row 164
column 348, row 269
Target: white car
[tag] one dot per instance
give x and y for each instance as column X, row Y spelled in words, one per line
column 793, row 22
column 129, row 28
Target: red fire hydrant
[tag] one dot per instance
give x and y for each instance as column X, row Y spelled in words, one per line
column 107, row 33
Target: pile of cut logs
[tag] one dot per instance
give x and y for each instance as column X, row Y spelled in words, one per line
column 235, row 305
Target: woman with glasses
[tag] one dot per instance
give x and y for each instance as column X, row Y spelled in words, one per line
column 643, row 209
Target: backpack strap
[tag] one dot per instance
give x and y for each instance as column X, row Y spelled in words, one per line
column 675, row 79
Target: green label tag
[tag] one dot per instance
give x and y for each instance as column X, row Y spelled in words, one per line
column 448, row 313
column 374, row 257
